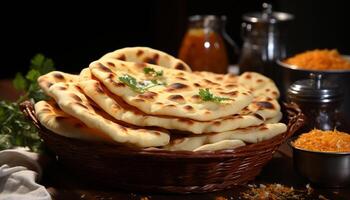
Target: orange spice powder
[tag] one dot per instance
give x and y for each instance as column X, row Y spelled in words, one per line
column 319, row 60
column 324, row 141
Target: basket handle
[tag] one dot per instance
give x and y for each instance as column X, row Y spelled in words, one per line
column 296, row 118
column 27, row 108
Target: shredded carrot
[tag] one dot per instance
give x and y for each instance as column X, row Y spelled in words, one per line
column 319, row 60
column 324, row 141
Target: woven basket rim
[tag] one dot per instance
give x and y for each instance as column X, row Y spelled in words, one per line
column 295, row 121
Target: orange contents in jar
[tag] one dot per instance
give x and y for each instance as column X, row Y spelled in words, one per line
column 204, row 51
column 324, row 141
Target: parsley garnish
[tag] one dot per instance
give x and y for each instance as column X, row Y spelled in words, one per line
column 15, row 129
column 152, row 72
column 139, row 87
column 206, row 95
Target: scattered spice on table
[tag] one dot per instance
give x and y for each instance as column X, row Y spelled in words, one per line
column 276, row 192
column 220, row 198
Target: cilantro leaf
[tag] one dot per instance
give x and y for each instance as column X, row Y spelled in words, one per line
column 206, row 95
column 153, row 72
column 131, row 82
column 33, row 75
column 20, row 82
column 15, row 129
column 139, row 87
column 42, row 64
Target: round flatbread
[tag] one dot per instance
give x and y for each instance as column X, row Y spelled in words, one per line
column 57, row 121
column 248, row 135
column 72, row 101
column 47, row 80
column 176, row 93
column 148, row 55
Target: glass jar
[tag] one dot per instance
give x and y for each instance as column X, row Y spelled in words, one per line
column 206, row 46
column 320, row 101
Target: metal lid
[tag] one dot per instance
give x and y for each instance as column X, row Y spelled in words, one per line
column 315, row 90
column 267, row 16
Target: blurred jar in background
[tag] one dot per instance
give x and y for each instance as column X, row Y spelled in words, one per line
column 264, row 35
column 206, row 46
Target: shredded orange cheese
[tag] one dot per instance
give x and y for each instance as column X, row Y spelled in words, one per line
column 319, row 60
column 324, row 141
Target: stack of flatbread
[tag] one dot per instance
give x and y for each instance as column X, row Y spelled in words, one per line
column 146, row 98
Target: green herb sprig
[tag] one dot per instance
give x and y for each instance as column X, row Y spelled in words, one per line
column 139, row 87
column 153, row 72
column 206, row 95
column 15, row 129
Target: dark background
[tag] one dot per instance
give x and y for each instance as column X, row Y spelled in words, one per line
column 73, row 35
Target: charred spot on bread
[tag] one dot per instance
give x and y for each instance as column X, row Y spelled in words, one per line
column 265, row 104
column 76, row 97
column 184, row 120
column 196, row 85
column 259, row 116
column 58, row 76
column 231, row 94
column 81, row 105
column 180, row 66
column 152, row 60
column 139, row 100
column 139, row 53
column 209, row 82
column 148, row 95
column 121, row 57
column 176, row 87
column 188, row 108
column 104, row 68
column 110, row 64
column 176, row 97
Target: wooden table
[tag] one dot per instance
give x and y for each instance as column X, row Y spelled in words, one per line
column 64, row 185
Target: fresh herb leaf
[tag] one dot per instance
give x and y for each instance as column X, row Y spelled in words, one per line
column 33, row 75
column 131, row 82
column 152, row 72
column 206, row 95
column 139, row 87
column 19, row 82
column 15, row 129
column 42, row 64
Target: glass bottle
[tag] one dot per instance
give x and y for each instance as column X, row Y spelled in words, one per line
column 206, row 46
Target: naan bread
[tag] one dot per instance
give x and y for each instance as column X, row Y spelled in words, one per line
column 275, row 119
column 249, row 135
column 57, row 121
column 72, row 101
column 120, row 110
column 224, row 144
column 259, row 84
column 148, row 55
column 178, row 98
column 47, row 80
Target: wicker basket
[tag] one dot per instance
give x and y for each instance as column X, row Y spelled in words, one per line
column 160, row 170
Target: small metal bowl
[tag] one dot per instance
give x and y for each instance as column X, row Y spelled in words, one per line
column 325, row 169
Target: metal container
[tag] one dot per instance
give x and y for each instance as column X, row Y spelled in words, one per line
column 290, row 74
column 264, row 34
column 325, row 169
column 320, row 100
